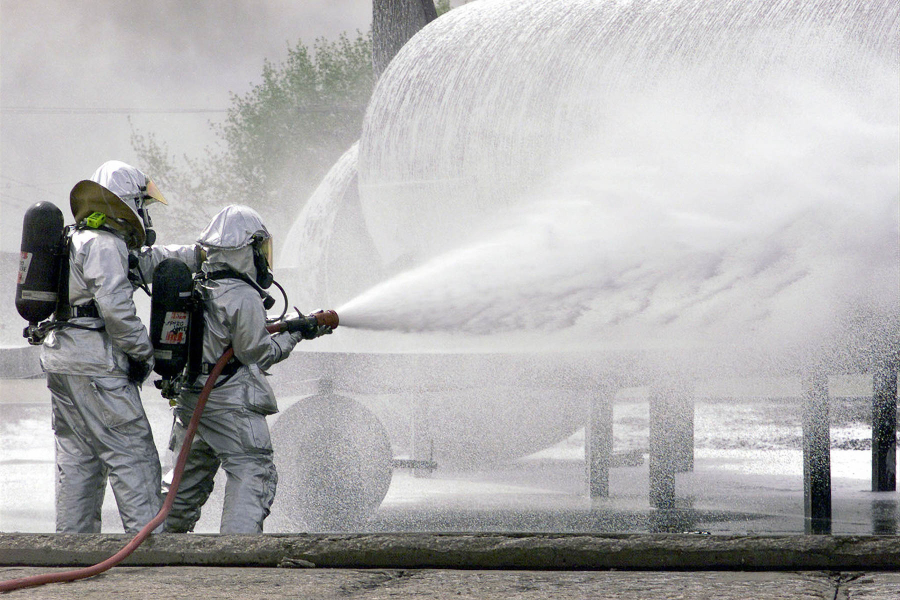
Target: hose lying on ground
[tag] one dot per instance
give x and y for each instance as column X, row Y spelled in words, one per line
column 143, row 534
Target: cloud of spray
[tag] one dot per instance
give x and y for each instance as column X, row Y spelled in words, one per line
column 780, row 227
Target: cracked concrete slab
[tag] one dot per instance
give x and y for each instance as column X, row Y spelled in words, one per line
column 146, row 583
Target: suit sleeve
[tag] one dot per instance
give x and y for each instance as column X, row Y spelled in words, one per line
column 251, row 342
column 105, row 272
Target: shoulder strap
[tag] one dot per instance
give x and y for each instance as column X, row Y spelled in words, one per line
column 63, row 308
column 227, row 273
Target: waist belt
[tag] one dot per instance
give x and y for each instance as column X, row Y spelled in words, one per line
column 230, row 369
column 86, row 310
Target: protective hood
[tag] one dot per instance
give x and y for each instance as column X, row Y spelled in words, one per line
column 233, row 227
column 237, row 259
column 236, row 237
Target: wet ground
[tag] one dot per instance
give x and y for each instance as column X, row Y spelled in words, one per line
column 747, row 479
column 738, row 486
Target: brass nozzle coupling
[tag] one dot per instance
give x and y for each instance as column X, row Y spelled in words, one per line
column 328, row 318
column 307, row 325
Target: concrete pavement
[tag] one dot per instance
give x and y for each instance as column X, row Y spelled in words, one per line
column 168, row 583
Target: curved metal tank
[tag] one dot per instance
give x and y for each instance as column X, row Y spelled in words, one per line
column 678, row 112
column 489, row 101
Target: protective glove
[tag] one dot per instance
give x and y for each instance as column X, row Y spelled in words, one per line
column 305, row 327
column 311, row 333
column 139, row 370
column 320, row 330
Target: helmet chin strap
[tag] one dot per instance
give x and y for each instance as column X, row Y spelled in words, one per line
column 144, row 214
column 139, row 200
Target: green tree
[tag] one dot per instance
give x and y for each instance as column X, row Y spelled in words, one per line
column 276, row 142
column 442, row 6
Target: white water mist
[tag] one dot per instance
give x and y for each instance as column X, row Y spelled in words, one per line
column 764, row 210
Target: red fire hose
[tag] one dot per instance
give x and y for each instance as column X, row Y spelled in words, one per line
column 143, row 534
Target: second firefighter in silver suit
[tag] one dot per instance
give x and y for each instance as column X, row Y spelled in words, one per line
column 233, row 433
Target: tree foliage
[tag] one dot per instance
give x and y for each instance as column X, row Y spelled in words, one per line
column 276, row 142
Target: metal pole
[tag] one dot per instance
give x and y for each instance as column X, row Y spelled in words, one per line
column 884, row 427
column 599, row 440
column 422, row 438
column 662, row 449
column 816, row 453
column 682, row 409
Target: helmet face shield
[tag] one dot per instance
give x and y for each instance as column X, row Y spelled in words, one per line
column 152, row 194
column 265, row 248
column 89, row 196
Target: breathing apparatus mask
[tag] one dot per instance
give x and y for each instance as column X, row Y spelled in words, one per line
column 262, row 261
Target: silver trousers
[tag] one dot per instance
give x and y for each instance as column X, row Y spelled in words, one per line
column 237, row 439
column 102, row 433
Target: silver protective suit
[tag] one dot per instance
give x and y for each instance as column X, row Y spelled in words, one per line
column 233, row 432
column 101, row 429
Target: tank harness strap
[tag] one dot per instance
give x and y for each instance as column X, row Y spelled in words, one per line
column 225, row 274
column 86, row 310
column 64, row 310
column 232, row 366
column 230, row 369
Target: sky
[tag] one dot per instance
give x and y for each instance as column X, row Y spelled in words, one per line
column 76, row 78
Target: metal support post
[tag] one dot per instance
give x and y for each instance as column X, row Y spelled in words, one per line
column 423, row 444
column 816, row 453
column 681, row 395
column 662, row 461
column 422, row 437
column 599, row 440
column 884, row 427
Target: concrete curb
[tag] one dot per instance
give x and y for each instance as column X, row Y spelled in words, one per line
column 467, row 551
column 21, row 362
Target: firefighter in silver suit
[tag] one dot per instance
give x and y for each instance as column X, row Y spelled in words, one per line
column 100, row 353
column 233, row 432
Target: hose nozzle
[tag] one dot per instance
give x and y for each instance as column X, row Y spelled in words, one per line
column 329, row 318
column 309, row 326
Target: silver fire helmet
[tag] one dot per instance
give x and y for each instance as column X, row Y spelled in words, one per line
column 122, row 193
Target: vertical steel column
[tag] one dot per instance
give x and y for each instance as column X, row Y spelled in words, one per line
column 599, row 439
column 884, row 426
column 662, row 459
column 884, row 517
column 682, row 407
column 816, row 452
column 422, row 438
